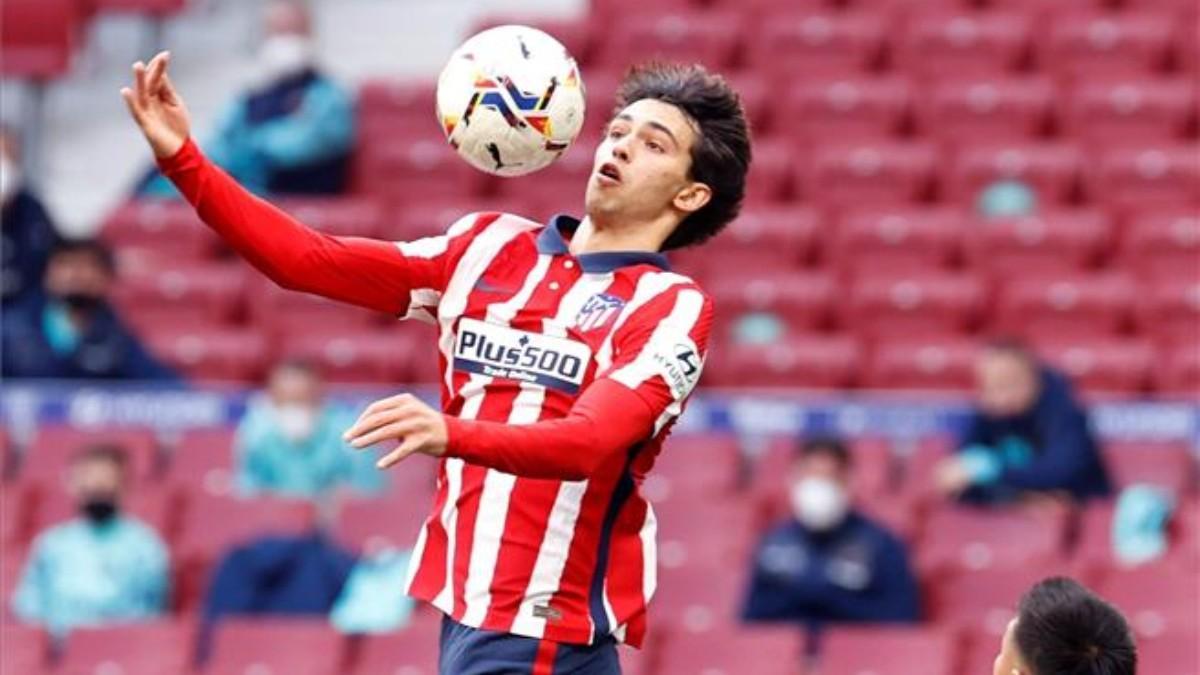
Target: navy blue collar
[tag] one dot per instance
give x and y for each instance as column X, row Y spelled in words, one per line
column 552, row 242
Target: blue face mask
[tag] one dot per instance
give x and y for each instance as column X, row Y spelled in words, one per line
column 1006, row 199
column 758, row 328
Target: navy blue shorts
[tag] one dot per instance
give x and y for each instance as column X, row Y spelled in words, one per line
column 471, row 651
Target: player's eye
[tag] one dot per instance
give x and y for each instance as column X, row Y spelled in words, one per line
column 655, row 146
column 615, row 133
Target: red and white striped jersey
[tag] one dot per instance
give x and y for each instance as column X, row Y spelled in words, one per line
column 524, row 327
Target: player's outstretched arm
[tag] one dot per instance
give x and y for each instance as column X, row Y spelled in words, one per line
column 365, row 272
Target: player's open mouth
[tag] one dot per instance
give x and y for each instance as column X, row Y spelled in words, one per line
column 608, row 174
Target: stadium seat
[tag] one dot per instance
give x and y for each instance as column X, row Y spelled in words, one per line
column 1081, row 44
column 901, row 241
column 282, row 313
column 1181, row 375
column 561, row 185
column 698, row 464
column 200, row 291
column 1094, row 549
column 885, row 650
column 1173, row 654
column 355, row 356
column 337, row 216
column 1168, row 465
column 851, row 107
column 698, row 597
column 1102, row 365
column 1133, row 110
column 25, row 648
column 756, row 90
column 696, row 530
column 1162, row 243
column 412, row 650
column 867, row 173
column 946, row 363
column 1064, row 307
column 203, row 461
column 995, row 107
column 981, row 605
column 39, row 37
column 951, row 42
column 771, row 176
column 973, row 540
column 1145, row 177
column 18, row 504
column 429, row 217
column 154, row 7
column 1051, row 170
column 914, row 305
column 168, row 226
column 710, row 38
column 923, row 455
column 609, row 10
column 1050, row 243
column 758, row 650
column 576, row 34
column 144, row 648
column 801, row 301
column 1156, row 600
column 387, row 106
column 812, row 360
column 276, row 647
column 212, row 354
column 370, row 525
column 798, row 42
column 765, row 239
column 52, row 449
column 406, row 167
column 1169, row 309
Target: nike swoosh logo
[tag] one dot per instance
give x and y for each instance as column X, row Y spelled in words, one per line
column 484, row 286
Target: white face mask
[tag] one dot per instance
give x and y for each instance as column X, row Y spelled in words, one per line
column 10, row 179
column 282, row 56
column 819, row 503
column 296, row 422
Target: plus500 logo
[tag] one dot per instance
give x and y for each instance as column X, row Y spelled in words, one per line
column 498, row 351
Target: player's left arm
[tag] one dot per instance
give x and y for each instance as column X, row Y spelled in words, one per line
column 658, row 355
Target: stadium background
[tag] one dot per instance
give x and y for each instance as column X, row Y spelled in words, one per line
column 878, row 123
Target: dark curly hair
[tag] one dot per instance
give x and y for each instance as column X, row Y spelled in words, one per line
column 721, row 155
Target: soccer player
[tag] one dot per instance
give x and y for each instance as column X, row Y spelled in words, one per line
column 1061, row 627
column 567, row 351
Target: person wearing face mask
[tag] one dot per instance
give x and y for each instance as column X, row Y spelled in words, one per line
column 291, row 131
column 828, row 563
column 290, row 441
column 28, row 232
column 68, row 330
column 1027, row 436
column 100, row 568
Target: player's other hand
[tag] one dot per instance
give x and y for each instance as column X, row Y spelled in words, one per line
column 404, row 418
column 157, row 107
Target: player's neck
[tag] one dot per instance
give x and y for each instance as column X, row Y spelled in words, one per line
column 591, row 238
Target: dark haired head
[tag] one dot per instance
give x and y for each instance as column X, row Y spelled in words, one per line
column 94, row 248
column 825, row 445
column 1064, row 629
column 102, row 452
column 721, row 154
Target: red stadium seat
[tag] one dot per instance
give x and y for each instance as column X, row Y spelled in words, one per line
column 1163, row 244
column 770, row 179
column 428, row 218
column 39, row 37
column 1094, row 549
column 917, row 482
column 1156, row 600
column 18, row 504
column 951, row 42
column 801, row 301
column 973, row 540
column 1167, row 465
column 202, row 291
column 767, row 239
column 405, row 167
column 800, row 43
column 932, row 364
column 868, row 174
column 25, row 649
column 886, row 650
column 276, row 647
column 337, row 216
column 168, row 226
column 702, row 464
column 903, row 241
column 1102, row 365
column 758, row 650
column 710, row 38
column 995, row 107
column 144, row 648
column 1169, row 310
column 698, row 597
column 576, row 34
column 214, row 354
column 856, row 107
column 203, row 460
column 1181, row 375
column 756, row 90
column 1146, row 176
column 1134, row 110
column 559, row 188
column 1050, row 169
column 914, row 305
column 1088, row 43
column 387, row 106
column 354, row 356
column 372, row 525
column 1173, row 654
column 618, row 9
column 981, row 606
column 282, row 313
column 698, row 529
column 50, row 454
column 1049, row 243
column 413, row 650
column 813, row 361
column 1064, row 307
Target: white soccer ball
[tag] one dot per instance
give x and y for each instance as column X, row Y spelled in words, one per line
column 510, row 100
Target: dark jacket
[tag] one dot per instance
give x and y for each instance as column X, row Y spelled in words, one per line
column 857, row 572
column 29, row 236
column 1049, row 447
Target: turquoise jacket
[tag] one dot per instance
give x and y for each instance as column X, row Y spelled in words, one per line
column 80, row 574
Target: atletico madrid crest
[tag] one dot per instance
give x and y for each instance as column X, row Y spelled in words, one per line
column 598, row 311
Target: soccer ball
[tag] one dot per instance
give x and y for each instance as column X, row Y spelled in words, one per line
column 510, row 100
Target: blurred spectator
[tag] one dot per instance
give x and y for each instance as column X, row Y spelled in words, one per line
column 829, row 563
column 292, row 130
column 1027, row 435
column 758, row 328
column 1140, row 521
column 68, row 330
column 373, row 599
column 1061, row 627
column 102, row 567
column 290, row 441
column 1007, row 198
column 29, row 235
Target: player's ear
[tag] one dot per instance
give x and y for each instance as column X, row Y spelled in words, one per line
column 692, row 197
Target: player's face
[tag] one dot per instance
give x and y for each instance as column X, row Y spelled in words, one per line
column 1006, row 661
column 642, row 166
column 1007, row 384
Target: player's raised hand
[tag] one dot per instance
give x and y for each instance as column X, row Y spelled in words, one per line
column 404, row 418
column 157, row 107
